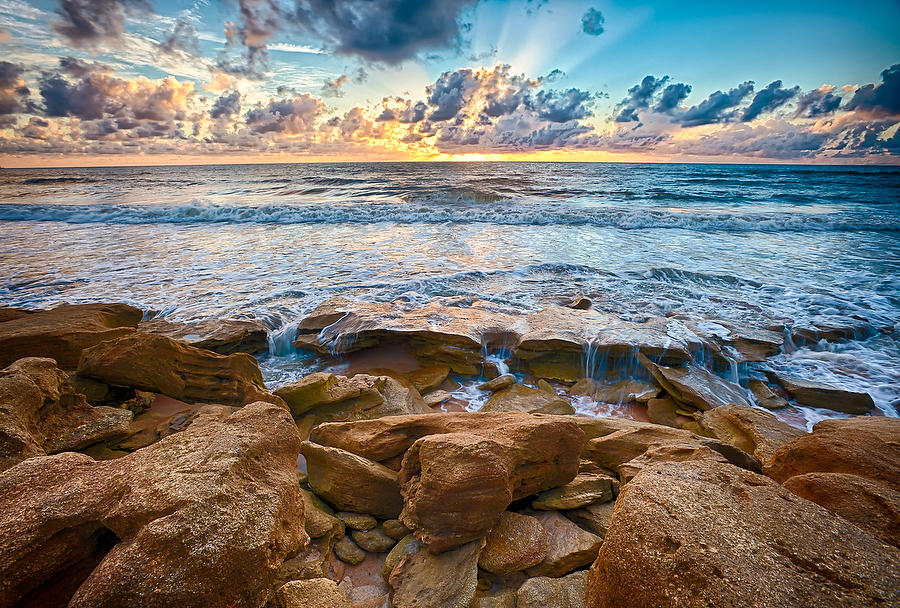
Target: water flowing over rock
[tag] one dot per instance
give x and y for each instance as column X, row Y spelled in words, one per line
column 202, row 518
column 816, row 394
column 710, row 534
column 225, row 336
column 695, row 386
column 63, row 332
column 40, row 413
column 155, row 363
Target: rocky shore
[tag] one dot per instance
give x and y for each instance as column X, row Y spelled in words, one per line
column 146, row 463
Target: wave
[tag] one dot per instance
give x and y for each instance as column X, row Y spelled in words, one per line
column 36, row 181
column 425, row 211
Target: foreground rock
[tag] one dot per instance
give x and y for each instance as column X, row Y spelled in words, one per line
column 568, row 546
column 338, row 398
column 422, row 580
column 816, row 394
column 202, row 518
column 40, row 413
column 155, row 363
column 63, row 332
column 752, row 430
column 224, row 336
column 544, row 592
column 312, row 593
column 517, row 542
column 711, row 534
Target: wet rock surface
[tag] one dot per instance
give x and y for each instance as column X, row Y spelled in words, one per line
column 817, row 394
column 225, row 336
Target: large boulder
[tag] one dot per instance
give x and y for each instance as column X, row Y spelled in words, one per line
column 521, row 398
column 159, row 364
column 224, row 336
column 517, row 542
column 63, row 332
column 40, row 413
column 204, row 518
column 817, row 394
column 695, row 386
column 703, row 533
column 361, row 397
column 752, row 430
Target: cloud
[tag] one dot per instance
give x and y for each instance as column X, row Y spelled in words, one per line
column 770, row 98
column 639, row 97
column 183, row 38
column 360, row 76
column 4, row 36
column 13, row 92
column 672, row 96
column 879, row 99
column 332, row 88
column 226, row 106
column 286, row 116
column 402, row 111
column 716, row 108
column 592, row 22
column 818, row 102
column 89, row 22
column 562, row 106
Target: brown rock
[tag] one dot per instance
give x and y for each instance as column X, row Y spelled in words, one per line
column 585, row 489
column 711, row 534
column 312, row 593
column 320, row 519
column 580, row 303
column 361, row 397
column 348, row 551
column 358, row 521
column 594, row 518
column 395, row 529
column 428, row 378
column 498, row 383
column 202, row 518
column 669, row 452
column 867, row 504
column 40, row 413
column 155, row 363
column 625, row 391
column 405, row 548
column 63, row 332
column 351, row 482
column 435, row 398
column 752, row 430
column 568, row 546
column 543, row 592
column 448, row 580
column 373, row 541
column 517, row 542
column 224, row 336
column 11, row 314
column 546, row 387
column 662, row 411
column 521, row 398
column 765, row 396
column 816, row 394
column 505, row 598
column 695, row 385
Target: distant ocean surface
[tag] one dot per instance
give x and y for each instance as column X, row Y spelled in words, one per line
column 765, row 245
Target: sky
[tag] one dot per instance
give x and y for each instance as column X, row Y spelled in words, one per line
column 124, row 82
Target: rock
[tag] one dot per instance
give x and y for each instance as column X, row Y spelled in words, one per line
column 352, row 482
column 204, row 517
column 521, row 398
column 594, row 518
column 155, row 363
column 869, row 505
column 568, row 546
column 428, row 378
column 816, row 394
column 435, row 398
column 669, row 452
column 423, row 580
column 93, row 391
column 320, row 519
column 312, row 593
column 585, row 489
column 394, row 528
column 752, row 430
column 580, row 303
column 696, row 386
column 348, row 551
column 546, row 387
column 543, row 592
column 765, row 396
column 11, row 314
column 505, row 598
column 625, row 391
column 406, row 547
column 361, row 397
column 517, row 542
column 711, row 534
column 373, row 541
column 40, row 413
column 224, row 336
column 662, row 411
column 358, row 521
column 63, row 332
column 498, row 383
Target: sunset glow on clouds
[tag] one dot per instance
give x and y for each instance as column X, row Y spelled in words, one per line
column 133, row 81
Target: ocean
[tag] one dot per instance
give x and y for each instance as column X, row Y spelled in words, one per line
column 766, row 245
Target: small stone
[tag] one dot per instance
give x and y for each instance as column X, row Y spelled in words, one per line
column 594, row 518
column 568, row 546
column 394, row 529
column 436, row 398
column 318, row 518
column 517, row 542
column 428, row 378
column 585, row 489
column 373, row 541
column 580, row 303
column 313, row 593
column 521, row 398
column 500, row 599
column 357, row 521
column 585, row 387
column 498, row 383
column 663, row 411
column 348, row 551
column 765, row 396
column 406, row 546
column 545, row 386
column 543, row 592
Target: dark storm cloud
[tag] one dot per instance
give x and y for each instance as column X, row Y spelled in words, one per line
column 592, row 22
column 879, row 99
column 818, row 102
column 446, row 94
column 562, row 106
column 672, row 96
column 639, row 97
column 82, row 99
column 332, row 88
column 402, row 111
column 288, row 116
column 226, row 105
column 360, row 75
column 13, row 92
column 770, row 98
column 718, row 107
column 87, row 22
column 183, row 37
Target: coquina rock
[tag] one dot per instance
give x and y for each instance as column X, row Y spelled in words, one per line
column 40, row 413
column 202, row 518
column 63, row 332
column 224, row 336
column 702, row 533
column 159, row 364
